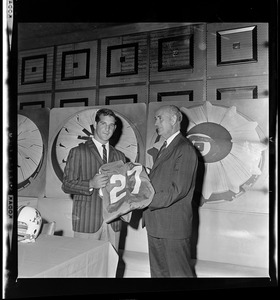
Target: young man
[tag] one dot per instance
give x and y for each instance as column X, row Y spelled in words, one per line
column 168, row 219
column 83, row 180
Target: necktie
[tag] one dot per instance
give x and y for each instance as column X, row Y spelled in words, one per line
column 104, row 154
column 163, row 147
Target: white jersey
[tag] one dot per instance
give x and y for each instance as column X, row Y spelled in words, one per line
column 129, row 188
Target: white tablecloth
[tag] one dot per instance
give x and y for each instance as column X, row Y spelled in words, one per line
column 57, row 256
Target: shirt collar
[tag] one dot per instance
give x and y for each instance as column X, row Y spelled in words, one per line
column 99, row 145
column 171, row 138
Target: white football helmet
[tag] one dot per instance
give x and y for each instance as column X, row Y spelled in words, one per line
column 29, row 224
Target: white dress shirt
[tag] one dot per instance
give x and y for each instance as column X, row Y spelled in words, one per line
column 100, row 148
column 171, row 138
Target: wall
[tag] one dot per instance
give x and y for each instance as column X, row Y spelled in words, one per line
column 205, row 68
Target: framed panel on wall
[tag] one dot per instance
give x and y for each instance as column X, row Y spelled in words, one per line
column 123, row 95
column 70, row 126
column 229, row 41
column 175, row 53
column 179, row 91
column 249, row 87
column 33, row 129
column 35, row 70
column 121, row 99
column 75, row 98
column 33, row 101
column 29, row 105
column 74, row 102
column 76, row 65
column 167, row 96
column 237, row 49
column 123, row 59
column 178, row 53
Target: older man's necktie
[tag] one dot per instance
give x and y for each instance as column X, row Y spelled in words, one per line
column 104, row 154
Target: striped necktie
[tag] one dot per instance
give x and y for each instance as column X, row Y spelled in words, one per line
column 163, row 147
column 104, row 154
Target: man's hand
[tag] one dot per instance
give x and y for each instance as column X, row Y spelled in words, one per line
column 99, row 181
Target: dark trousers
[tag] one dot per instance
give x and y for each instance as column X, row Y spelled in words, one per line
column 170, row 257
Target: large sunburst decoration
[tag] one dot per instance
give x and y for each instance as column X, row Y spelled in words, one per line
column 30, row 151
column 230, row 146
column 79, row 128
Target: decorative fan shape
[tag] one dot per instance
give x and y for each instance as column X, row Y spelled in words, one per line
column 30, row 150
column 79, row 128
column 230, row 147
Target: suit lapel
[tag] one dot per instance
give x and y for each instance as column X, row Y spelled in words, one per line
column 94, row 150
column 111, row 153
column 170, row 148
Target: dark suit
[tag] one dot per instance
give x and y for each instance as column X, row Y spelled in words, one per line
column 83, row 163
column 169, row 216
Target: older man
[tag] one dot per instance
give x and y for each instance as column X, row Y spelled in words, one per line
column 168, row 219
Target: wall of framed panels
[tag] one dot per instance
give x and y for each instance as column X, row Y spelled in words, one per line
column 198, row 62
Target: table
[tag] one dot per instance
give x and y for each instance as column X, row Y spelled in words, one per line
column 58, row 256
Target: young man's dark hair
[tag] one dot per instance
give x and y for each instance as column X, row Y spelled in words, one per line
column 105, row 112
